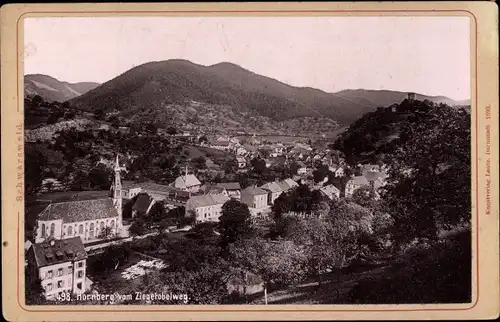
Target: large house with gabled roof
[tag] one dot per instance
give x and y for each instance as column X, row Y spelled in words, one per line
column 60, row 265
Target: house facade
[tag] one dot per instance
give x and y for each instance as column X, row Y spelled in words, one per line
column 273, row 190
column 206, row 207
column 254, row 197
column 242, row 163
column 355, row 183
column 60, row 265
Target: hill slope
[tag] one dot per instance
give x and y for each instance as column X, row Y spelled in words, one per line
column 376, row 135
column 157, row 86
column 51, row 89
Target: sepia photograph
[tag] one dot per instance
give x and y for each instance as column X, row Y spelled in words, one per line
column 222, row 160
column 249, row 162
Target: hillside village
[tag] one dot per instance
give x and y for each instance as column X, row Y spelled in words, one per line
column 113, row 204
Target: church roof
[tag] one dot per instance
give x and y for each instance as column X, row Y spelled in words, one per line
column 56, row 251
column 74, row 211
column 186, row 181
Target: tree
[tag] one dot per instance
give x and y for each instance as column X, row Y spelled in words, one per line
column 34, row 165
column 106, row 233
column 200, row 162
column 429, row 185
column 99, row 113
column 259, row 165
column 100, row 177
column 188, row 220
column 53, row 118
column 294, row 167
column 138, row 227
column 151, row 127
column 37, row 100
column 364, row 196
column 234, row 223
column 35, row 293
column 157, row 212
column 171, row 130
column 281, row 263
column 320, row 173
column 202, row 139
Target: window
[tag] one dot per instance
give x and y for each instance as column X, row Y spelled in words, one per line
column 70, row 230
column 102, row 225
column 70, row 269
column 79, row 285
column 43, row 231
column 52, row 229
column 80, row 264
column 49, row 274
column 59, row 272
column 60, row 284
column 112, row 224
column 91, row 232
column 49, row 287
column 80, row 229
column 79, row 274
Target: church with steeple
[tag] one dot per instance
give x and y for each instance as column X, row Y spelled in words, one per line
column 91, row 220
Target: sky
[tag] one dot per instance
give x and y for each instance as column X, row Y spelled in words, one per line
column 427, row 55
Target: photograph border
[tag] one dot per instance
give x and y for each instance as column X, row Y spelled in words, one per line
column 475, row 144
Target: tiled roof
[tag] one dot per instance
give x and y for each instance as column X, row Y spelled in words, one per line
column 330, row 190
column 215, row 190
column 291, row 183
column 358, row 180
column 142, row 203
column 206, row 200
column 373, row 175
column 73, row 211
column 272, row 186
column 254, row 191
column 190, row 181
column 55, row 251
column 229, row 185
column 240, row 159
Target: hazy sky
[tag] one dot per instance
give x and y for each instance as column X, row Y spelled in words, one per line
column 428, row 55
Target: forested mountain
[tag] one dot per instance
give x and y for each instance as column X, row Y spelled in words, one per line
column 180, row 89
column 53, row 90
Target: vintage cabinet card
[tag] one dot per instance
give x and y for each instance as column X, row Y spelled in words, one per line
column 244, row 161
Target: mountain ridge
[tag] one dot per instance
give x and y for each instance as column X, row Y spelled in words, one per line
column 51, row 89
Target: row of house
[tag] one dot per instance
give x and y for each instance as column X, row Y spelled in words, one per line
column 208, row 206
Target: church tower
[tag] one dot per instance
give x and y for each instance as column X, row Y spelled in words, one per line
column 117, row 195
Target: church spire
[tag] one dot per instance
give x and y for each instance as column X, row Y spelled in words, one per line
column 117, row 194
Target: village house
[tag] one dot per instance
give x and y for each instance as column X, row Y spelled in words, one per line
column 187, row 182
column 337, row 170
column 268, row 163
column 287, row 184
column 233, row 189
column 158, row 192
column 221, row 143
column 274, row 191
column 87, row 219
column 60, row 265
column 206, row 207
column 242, row 163
column 330, row 191
column 355, row 183
column 279, row 148
column 255, row 198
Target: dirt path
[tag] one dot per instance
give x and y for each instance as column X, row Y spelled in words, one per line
column 334, row 289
